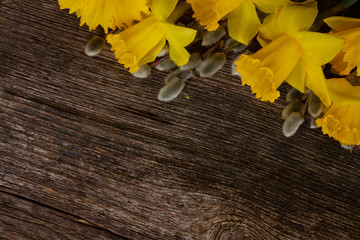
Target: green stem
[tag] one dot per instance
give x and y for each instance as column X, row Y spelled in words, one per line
column 179, row 11
column 347, row 3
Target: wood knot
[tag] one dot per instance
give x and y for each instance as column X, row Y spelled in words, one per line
column 234, row 228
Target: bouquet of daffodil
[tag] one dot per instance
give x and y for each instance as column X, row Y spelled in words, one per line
column 147, row 33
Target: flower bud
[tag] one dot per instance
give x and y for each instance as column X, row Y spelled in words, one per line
column 165, row 65
column 171, row 90
column 163, row 51
column 313, row 124
column 143, row 72
column 198, row 67
column 293, row 94
column 292, row 123
column 212, row 64
column 235, row 45
column 94, row 46
column 172, row 75
column 314, row 107
column 213, row 37
column 233, row 68
column 194, row 61
column 187, row 75
column 294, row 106
column 347, row 147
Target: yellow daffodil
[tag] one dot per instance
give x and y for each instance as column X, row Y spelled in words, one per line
column 243, row 21
column 290, row 53
column 107, row 13
column 140, row 43
column 342, row 123
column 349, row 57
column 342, row 92
column 341, row 120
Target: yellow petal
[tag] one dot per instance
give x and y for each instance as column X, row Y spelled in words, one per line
column 342, row 23
column 265, row 70
column 262, row 40
column 107, row 13
column 342, row 92
column 179, row 55
column 342, row 123
column 297, row 77
column 320, row 48
column 243, row 22
column 179, row 37
column 152, row 54
column 209, row 12
column 316, row 82
column 138, row 42
column 290, row 19
column 349, row 57
column 78, row 14
column 162, row 8
column 269, row 6
column 72, row 5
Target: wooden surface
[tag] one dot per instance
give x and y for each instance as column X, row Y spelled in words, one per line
column 88, row 152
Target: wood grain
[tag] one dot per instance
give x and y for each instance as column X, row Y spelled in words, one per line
column 26, row 218
column 87, row 151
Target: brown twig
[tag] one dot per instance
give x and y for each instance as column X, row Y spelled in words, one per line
column 159, row 61
column 305, row 96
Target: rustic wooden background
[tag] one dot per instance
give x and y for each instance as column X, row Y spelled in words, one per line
column 88, row 152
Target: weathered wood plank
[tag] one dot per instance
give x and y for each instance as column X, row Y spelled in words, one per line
column 25, row 219
column 82, row 139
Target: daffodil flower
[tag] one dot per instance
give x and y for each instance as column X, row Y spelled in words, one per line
column 290, row 53
column 341, row 120
column 342, row 123
column 349, row 57
column 140, row 43
column 107, row 13
column 243, row 21
column 342, row 92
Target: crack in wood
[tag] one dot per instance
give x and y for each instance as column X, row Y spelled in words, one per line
column 76, row 218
